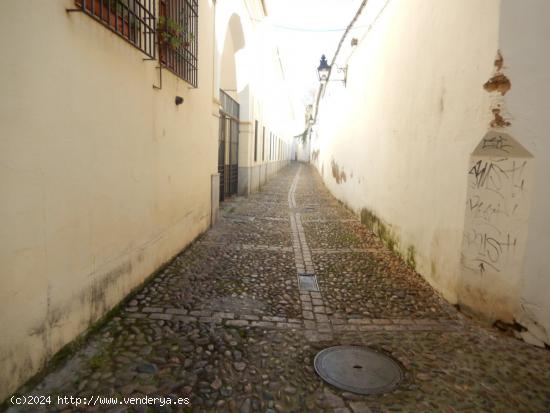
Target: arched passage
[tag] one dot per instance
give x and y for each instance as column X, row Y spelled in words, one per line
column 232, row 84
column 230, row 96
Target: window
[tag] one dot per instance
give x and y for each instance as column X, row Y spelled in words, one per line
column 177, row 38
column 263, row 144
column 133, row 20
column 255, row 141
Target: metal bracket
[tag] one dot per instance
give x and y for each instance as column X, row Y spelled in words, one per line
column 343, row 70
column 159, row 87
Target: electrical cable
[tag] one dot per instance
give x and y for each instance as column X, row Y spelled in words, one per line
column 350, row 25
column 300, row 29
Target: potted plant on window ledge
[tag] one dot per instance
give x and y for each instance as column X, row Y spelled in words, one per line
column 173, row 35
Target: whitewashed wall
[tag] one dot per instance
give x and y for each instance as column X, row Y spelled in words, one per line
column 102, row 177
column 524, row 34
column 396, row 143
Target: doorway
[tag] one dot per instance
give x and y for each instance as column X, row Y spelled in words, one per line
column 228, row 149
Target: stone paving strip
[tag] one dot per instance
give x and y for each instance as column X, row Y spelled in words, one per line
column 314, row 319
column 273, row 218
column 343, row 250
column 238, row 247
column 314, row 310
column 334, row 220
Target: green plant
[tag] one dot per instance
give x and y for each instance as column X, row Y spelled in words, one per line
column 173, row 34
column 116, row 6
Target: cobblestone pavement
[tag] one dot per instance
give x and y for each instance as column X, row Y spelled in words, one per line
column 227, row 324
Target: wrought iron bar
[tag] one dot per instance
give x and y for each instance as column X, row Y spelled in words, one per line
column 178, row 38
column 133, row 20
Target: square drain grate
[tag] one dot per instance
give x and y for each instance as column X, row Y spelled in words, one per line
column 307, row 282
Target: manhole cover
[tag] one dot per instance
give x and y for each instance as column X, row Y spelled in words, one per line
column 358, row 369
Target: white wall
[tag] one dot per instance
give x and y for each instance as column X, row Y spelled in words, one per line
column 401, row 132
column 261, row 87
column 102, row 178
column 524, row 38
column 396, row 143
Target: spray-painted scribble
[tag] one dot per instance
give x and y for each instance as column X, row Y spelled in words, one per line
column 496, row 205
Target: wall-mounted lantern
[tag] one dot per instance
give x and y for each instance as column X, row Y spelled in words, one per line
column 324, row 70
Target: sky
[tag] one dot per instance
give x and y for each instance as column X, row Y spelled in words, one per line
column 304, row 30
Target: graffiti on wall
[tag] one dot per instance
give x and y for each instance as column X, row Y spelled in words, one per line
column 496, row 206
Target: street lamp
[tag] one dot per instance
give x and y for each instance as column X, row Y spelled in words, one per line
column 324, row 69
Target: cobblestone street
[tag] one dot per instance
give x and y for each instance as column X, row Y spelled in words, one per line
column 227, row 324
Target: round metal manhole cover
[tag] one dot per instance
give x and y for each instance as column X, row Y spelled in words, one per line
column 358, row 369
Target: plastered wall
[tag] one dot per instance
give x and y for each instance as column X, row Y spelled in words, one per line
column 102, row 178
column 524, row 34
column 425, row 84
column 414, row 110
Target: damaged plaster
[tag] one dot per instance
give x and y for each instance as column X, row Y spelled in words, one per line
column 339, row 176
column 500, row 85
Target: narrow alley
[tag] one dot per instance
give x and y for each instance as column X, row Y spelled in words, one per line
column 228, row 324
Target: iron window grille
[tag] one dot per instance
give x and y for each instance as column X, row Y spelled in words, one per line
column 178, row 38
column 229, row 105
column 133, row 20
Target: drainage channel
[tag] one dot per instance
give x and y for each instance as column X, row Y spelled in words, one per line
column 351, row 368
column 314, row 310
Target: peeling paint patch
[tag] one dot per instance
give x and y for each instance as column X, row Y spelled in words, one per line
column 498, row 83
column 499, row 60
column 498, row 121
column 339, row 176
column 315, row 155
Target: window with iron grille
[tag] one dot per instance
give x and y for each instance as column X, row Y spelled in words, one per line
column 133, row 20
column 177, row 38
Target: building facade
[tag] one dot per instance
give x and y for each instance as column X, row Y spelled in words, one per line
column 118, row 121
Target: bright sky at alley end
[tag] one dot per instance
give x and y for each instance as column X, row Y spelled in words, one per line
column 304, row 30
